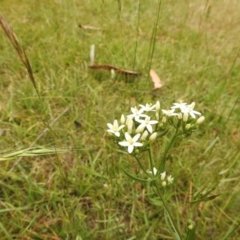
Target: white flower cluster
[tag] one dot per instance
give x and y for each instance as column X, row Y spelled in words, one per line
column 143, row 125
column 138, row 128
column 184, row 111
column 166, row 180
column 186, row 115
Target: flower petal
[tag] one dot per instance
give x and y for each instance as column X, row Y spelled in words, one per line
column 136, row 137
column 124, row 144
column 130, row 148
column 137, row 144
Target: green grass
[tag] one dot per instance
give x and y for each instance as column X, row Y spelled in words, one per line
column 80, row 191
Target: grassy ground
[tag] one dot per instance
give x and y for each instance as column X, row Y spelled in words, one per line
column 80, row 191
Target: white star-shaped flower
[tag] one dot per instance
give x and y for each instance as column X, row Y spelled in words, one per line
column 170, row 179
column 136, row 113
column 131, row 142
column 146, row 123
column 179, row 105
column 115, row 128
column 170, row 113
column 189, row 110
column 153, row 172
column 148, row 107
column 163, row 175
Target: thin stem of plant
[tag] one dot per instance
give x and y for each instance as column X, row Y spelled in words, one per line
column 140, row 165
column 163, row 161
column 168, row 212
column 153, row 38
column 137, row 35
column 150, row 159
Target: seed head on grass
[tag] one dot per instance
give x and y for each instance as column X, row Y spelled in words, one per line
column 19, row 49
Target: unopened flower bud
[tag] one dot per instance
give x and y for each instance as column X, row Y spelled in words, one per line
column 144, row 135
column 164, row 183
column 113, row 74
column 122, row 120
column 140, row 129
column 92, row 54
column 188, row 126
column 157, row 106
column 190, row 227
column 200, row 120
column 164, row 119
column 191, row 224
column 153, row 136
column 129, row 125
column 185, row 117
column 180, row 116
column 137, row 151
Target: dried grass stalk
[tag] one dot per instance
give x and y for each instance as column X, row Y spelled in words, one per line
column 19, row 49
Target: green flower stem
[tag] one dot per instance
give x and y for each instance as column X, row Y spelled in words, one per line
column 150, row 159
column 174, row 229
column 141, row 166
column 163, row 161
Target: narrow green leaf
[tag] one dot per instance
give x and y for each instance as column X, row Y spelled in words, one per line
column 191, row 234
column 137, row 179
column 162, row 134
column 205, row 199
column 170, row 225
column 231, row 231
column 156, row 202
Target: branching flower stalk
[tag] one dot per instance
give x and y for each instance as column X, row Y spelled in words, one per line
column 147, row 124
column 173, row 227
column 169, row 145
column 150, row 160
